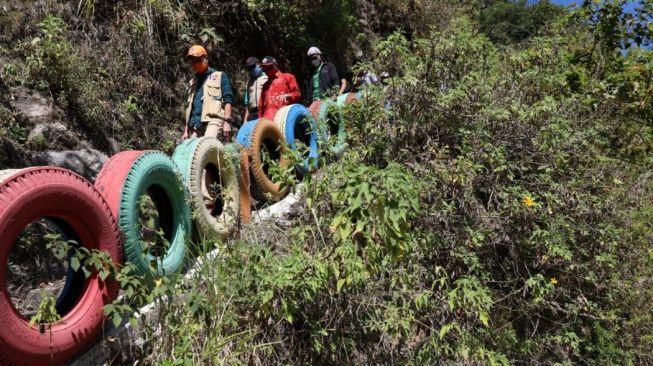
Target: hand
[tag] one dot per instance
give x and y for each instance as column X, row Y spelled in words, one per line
column 184, row 136
column 226, row 130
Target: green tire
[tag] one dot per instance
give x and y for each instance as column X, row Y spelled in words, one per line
column 333, row 126
column 124, row 179
column 192, row 157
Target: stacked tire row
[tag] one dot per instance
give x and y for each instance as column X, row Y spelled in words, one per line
column 106, row 216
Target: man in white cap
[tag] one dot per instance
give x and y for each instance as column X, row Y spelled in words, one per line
column 324, row 77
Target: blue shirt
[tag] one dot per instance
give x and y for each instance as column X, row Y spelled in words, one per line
column 195, row 120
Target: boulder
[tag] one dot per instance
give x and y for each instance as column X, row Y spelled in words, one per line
column 34, row 107
column 54, row 136
column 85, row 162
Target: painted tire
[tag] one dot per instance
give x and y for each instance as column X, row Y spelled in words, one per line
column 192, row 157
column 333, row 126
column 265, row 137
column 69, row 200
column 296, row 123
column 342, row 99
column 125, row 178
column 74, row 280
column 244, row 182
column 244, row 136
column 314, row 108
column 346, row 98
column 6, row 174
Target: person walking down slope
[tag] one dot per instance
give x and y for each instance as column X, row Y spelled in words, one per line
column 257, row 78
column 324, row 77
column 210, row 99
column 280, row 90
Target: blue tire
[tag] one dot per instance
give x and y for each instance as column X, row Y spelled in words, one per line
column 244, row 136
column 300, row 125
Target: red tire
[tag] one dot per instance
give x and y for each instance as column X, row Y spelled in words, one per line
column 26, row 196
column 113, row 174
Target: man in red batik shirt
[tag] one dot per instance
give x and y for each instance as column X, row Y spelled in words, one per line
column 280, row 90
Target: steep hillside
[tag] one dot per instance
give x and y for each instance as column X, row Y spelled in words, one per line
column 495, row 204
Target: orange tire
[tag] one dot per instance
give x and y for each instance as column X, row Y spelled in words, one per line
column 244, row 182
column 267, row 138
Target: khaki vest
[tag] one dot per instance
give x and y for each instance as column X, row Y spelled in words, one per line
column 212, row 110
column 254, row 90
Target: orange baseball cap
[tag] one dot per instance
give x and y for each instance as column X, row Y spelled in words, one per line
column 196, row 51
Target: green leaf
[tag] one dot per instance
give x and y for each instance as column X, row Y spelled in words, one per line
column 339, row 285
column 74, row 263
column 446, row 329
column 104, row 275
column 483, row 317
column 116, row 319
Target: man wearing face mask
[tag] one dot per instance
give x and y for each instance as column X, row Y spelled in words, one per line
column 210, row 99
column 257, row 78
column 280, row 90
column 324, row 77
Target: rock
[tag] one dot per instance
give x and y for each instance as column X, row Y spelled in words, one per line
column 278, row 212
column 85, row 162
column 34, row 107
column 54, row 136
column 43, row 128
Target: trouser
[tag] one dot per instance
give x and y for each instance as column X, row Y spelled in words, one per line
column 210, row 129
column 253, row 114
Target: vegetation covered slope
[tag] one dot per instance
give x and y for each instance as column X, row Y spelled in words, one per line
column 499, row 210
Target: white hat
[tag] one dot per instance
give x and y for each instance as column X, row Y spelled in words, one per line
column 314, row 51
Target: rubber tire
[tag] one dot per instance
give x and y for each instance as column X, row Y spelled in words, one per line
column 346, row 98
column 291, row 120
column 314, row 108
column 329, row 110
column 191, row 156
column 74, row 280
column 244, row 182
column 123, row 180
column 342, row 99
column 7, row 173
column 26, row 196
column 244, row 136
column 265, row 130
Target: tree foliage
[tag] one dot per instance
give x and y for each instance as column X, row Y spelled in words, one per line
column 509, row 21
column 495, row 205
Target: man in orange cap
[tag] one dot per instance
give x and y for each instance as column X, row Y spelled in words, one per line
column 280, row 90
column 210, row 99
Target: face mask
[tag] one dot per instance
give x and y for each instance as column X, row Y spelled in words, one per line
column 256, row 71
column 316, row 62
column 200, row 66
column 270, row 72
